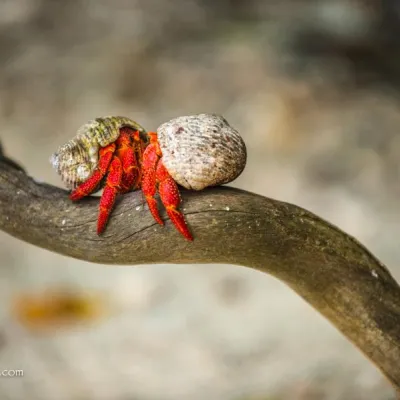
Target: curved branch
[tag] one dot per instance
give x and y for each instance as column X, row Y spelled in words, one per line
column 328, row 268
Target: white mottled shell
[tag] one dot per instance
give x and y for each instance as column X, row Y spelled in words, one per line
column 76, row 160
column 201, row 150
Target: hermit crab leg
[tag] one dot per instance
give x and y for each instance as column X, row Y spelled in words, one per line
column 138, row 145
column 89, row 186
column 170, row 197
column 155, row 173
column 125, row 152
column 110, row 193
column 150, row 159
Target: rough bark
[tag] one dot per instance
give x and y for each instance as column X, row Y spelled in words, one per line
column 332, row 271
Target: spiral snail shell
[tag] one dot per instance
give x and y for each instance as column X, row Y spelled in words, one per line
column 76, row 160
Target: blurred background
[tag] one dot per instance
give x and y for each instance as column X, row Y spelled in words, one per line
column 313, row 86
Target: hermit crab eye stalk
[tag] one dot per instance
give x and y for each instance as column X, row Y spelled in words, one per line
column 116, row 153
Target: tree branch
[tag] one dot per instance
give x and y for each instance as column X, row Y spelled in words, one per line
column 329, row 269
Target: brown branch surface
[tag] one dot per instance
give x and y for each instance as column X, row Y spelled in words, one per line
column 328, row 268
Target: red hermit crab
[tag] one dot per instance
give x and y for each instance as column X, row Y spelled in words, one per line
column 117, row 154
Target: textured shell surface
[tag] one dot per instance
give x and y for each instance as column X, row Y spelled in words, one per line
column 76, row 160
column 201, row 150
